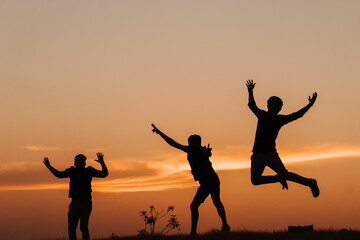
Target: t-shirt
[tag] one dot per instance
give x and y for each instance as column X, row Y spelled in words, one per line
column 201, row 167
column 80, row 181
column 268, row 128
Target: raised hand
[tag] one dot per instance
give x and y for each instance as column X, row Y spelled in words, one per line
column 250, row 84
column 100, row 157
column 207, row 151
column 313, row 98
column 46, row 162
column 208, row 147
column 155, row 129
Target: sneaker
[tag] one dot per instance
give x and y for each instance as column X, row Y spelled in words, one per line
column 225, row 228
column 314, row 188
column 192, row 234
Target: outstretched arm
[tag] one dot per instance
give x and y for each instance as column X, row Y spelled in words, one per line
column 104, row 171
column 302, row 111
column 170, row 141
column 57, row 173
column 252, row 105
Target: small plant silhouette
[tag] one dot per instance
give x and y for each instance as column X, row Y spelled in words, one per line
column 151, row 218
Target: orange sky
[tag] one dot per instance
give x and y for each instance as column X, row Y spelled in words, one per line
column 89, row 76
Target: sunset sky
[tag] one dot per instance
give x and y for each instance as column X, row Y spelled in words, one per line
column 89, row 76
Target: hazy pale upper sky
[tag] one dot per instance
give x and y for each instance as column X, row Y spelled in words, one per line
column 88, row 76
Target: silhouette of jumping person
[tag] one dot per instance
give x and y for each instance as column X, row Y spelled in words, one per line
column 79, row 191
column 264, row 151
column 203, row 172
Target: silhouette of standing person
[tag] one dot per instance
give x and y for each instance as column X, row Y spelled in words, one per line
column 264, row 151
column 203, row 172
column 79, row 191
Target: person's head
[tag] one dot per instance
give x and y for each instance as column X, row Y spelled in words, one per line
column 194, row 140
column 80, row 161
column 274, row 105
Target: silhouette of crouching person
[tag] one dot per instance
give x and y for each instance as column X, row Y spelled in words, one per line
column 79, row 191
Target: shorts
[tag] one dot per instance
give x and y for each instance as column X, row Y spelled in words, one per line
column 208, row 186
column 271, row 159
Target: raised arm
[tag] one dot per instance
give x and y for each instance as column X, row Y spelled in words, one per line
column 57, row 173
column 170, row 141
column 104, row 171
column 301, row 112
column 252, row 105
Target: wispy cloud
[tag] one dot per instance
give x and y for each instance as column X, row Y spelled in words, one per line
column 158, row 182
column 164, row 171
column 302, row 153
column 40, row 148
column 24, row 187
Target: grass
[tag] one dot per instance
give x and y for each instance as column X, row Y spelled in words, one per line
column 244, row 235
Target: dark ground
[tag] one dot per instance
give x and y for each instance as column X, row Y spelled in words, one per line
column 316, row 235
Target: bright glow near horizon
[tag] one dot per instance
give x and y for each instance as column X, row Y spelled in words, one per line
column 171, row 172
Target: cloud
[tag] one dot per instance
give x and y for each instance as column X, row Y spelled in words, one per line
column 135, row 178
column 159, row 182
column 238, row 157
column 24, row 174
column 317, row 151
column 40, row 148
column 161, row 172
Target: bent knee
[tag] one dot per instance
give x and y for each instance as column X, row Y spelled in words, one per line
column 255, row 180
column 284, row 174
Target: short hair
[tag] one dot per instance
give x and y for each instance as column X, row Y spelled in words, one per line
column 275, row 101
column 80, row 157
column 194, row 138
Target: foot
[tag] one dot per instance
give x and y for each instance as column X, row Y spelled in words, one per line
column 283, row 183
column 192, row 234
column 225, row 228
column 314, row 188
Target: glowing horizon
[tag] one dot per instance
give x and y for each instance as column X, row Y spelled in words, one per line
column 175, row 171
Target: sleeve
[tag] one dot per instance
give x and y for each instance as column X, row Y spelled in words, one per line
column 65, row 174
column 96, row 173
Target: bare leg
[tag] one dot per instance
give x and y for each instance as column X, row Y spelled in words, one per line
column 194, row 218
column 277, row 165
column 297, row 178
column 199, row 198
column 283, row 174
column 221, row 211
column 304, row 181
